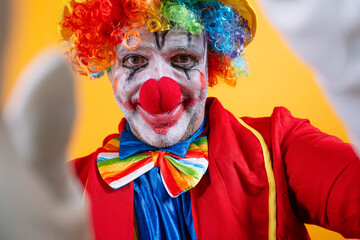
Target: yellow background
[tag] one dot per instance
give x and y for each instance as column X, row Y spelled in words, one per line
column 278, row 78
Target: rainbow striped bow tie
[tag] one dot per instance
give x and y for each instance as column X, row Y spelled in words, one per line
column 178, row 174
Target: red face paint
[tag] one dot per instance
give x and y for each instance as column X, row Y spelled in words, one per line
column 126, row 105
column 115, row 84
column 161, row 123
column 202, row 81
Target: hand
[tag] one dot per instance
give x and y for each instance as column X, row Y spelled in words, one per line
column 39, row 198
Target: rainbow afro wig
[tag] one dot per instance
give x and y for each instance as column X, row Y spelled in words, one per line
column 91, row 29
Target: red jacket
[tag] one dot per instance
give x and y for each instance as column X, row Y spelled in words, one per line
column 315, row 179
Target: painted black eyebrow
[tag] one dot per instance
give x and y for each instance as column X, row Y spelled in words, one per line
column 160, row 39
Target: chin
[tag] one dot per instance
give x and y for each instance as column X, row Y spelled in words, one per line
column 180, row 131
column 169, row 130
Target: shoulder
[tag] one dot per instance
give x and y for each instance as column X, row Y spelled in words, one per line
column 280, row 125
column 281, row 117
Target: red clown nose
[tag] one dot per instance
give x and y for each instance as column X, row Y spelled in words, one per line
column 159, row 96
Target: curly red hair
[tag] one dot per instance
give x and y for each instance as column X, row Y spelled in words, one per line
column 93, row 28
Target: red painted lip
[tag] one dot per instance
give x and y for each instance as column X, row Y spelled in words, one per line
column 162, row 120
column 168, row 119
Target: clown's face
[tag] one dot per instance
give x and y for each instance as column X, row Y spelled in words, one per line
column 161, row 87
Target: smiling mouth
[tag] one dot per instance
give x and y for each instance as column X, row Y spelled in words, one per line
column 162, row 122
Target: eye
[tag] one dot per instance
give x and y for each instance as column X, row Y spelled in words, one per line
column 183, row 61
column 135, row 61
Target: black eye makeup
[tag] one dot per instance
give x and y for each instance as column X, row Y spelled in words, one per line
column 134, row 63
column 183, row 61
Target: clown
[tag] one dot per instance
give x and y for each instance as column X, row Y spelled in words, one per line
column 181, row 166
column 169, row 107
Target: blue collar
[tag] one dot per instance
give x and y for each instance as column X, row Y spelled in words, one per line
column 130, row 145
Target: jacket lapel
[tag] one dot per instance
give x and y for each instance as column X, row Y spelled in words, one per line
column 232, row 199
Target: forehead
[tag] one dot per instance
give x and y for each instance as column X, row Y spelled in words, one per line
column 174, row 39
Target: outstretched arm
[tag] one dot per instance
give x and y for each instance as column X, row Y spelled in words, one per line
column 326, row 34
column 322, row 174
column 39, row 199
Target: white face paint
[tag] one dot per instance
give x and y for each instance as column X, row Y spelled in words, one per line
column 174, row 54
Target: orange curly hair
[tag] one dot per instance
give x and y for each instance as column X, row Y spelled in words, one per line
column 92, row 28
